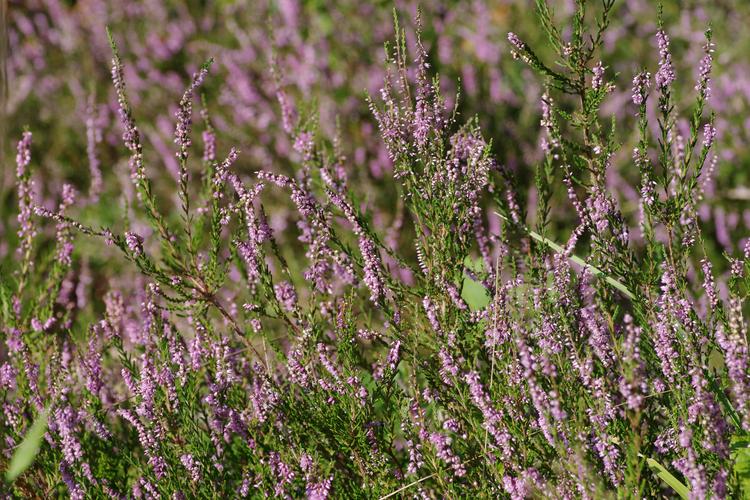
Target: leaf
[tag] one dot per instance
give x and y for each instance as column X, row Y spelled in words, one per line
column 666, row 476
column 595, row 271
column 474, row 293
column 741, row 455
column 5, row 298
column 28, row 449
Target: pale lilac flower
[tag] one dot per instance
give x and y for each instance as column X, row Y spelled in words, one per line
column 431, row 312
column 416, row 460
column 318, row 490
column 131, row 136
column 371, row 268
column 283, row 472
column 704, row 70
column 633, row 384
column 184, row 114
column 693, row 471
column 709, row 135
column 665, row 76
column 641, row 84
column 297, row 371
column 492, row 417
column 25, row 187
column 134, row 243
column 519, row 48
column 735, row 351
column 444, row 452
column 665, row 339
column 191, row 466
column 598, row 79
column 305, row 145
column 709, row 284
column 286, row 295
column 448, row 369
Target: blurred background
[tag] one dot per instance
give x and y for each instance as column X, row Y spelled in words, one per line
column 328, row 56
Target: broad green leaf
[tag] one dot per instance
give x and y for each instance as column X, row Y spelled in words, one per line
column 474, row 293
column 28, row 449
column 668, row 478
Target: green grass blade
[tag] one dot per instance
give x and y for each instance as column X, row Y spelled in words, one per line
column 28, row 449
column 596, row 271
column 668, row 478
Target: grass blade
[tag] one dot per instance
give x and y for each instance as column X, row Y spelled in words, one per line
column 28, row 449
column 666, row 476
column 596, row 271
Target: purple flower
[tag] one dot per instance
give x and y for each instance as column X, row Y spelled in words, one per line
column 7, row 377
column 288, row 112
column 519, row 47
column 296, row 369
column 709, row 135
column 371, row 268
column 734, row 347
column 442, row 445
column 92, row 364
column 416, row 460
column 184, row 113
column 23, row 155
column 283, row 472
column 704, row 69
column 598, row 80
column 130, row 136
column 709, row 285
column 64, row 423
column 134, row 243
column 391, row 361
column 492, row 417
column 665, row 76
column 641, row 84
column 305, row 145
column 264, row 397
column 372, row 264
column 431, row 312
column 694, row 472
column 74, row 489
column 632, row 384
column 318, row 490
column 286, row 295
column 209, row 146
column 671, row 309
column 393, row 357
column 448, row 368
column 191, row 466
column 24, row 186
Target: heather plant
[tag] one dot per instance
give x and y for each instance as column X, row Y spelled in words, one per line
column 474, row 338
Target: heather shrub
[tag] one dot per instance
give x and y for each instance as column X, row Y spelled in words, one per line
column 452, row 324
